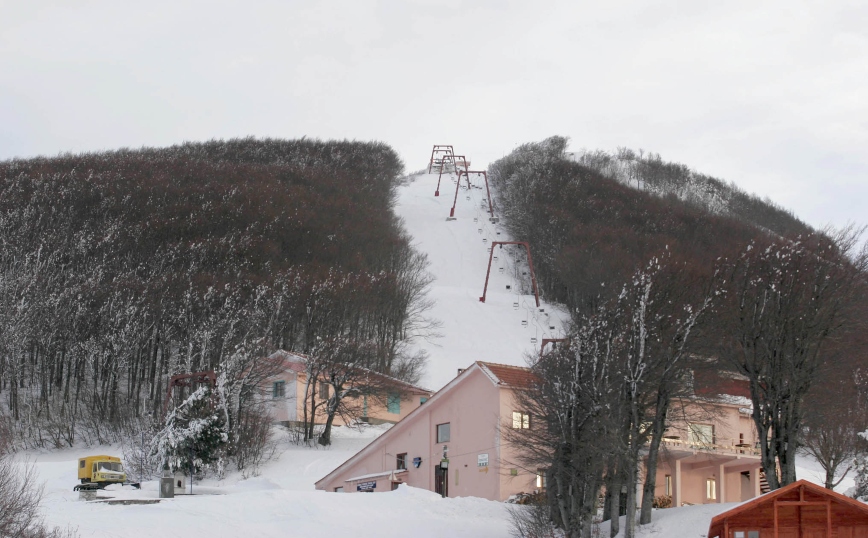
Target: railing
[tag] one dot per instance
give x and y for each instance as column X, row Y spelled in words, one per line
column 733, row 448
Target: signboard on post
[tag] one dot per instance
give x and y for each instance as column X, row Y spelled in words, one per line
column 367, row 486
column 482, row 460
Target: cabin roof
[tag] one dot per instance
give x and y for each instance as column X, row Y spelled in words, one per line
column 795, row 492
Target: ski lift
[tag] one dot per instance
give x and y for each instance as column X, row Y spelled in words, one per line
column 508, row 287
column 501, row 270
column 479, row 230
column 533, row 339
column 475, row 219
column 551, row 327
column 468, row 198
column 485, row 240
column 514, row 305
column 524, row 323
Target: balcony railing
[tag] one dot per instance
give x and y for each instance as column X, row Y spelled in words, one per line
column 729, row 446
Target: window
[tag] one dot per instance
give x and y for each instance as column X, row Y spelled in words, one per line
column 323, row 390
column 443, row 433
column 541, row 479
column 520, row 421
column 401, row 461
column 394, row 403
column 710, row 489
column 700, row 434
column 668, row 483
column 81, row 464
column 753, row 534
column 339, row 489
column 278, row 389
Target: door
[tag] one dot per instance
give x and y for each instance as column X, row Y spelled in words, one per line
column 441, row 481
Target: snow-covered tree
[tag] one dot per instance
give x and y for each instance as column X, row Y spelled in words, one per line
column 194, row 435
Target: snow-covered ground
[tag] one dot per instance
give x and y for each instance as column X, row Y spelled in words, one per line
column 281, row 501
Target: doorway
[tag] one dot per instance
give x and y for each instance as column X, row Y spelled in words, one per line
column 441, row 481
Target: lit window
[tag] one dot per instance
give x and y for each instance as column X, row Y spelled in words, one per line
column 401, row 461
column 541, row 479
column 710, row 489
column 278, row 389
column 394, row 403
column 520, row 421
column 668, row 484
column 443, row 433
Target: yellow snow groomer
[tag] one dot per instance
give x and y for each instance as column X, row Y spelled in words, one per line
column 97, row 472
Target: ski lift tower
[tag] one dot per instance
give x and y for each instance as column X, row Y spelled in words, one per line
column 456, row 160
column 529, row 263
column 437, row 153
column 482, row 173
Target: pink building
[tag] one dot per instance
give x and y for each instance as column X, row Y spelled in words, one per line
column 453, row 445
column 709, row 453
column 450, row 445
column 285, row 389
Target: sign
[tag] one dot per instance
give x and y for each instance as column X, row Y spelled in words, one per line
column 417, row 461
column 367, row 486
column 482, row 460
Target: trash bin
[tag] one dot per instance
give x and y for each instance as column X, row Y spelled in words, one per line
column 167, row 484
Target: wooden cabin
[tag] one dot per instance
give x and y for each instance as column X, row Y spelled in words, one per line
column 799, row 510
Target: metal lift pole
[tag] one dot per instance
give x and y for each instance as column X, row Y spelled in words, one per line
column 488, row 272
column 529, row 263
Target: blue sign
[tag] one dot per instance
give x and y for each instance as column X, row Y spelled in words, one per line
column 367, row 486
column 417, row 461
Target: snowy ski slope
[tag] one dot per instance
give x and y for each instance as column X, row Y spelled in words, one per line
column 508, row 326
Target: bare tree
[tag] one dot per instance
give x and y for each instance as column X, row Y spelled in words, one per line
column 19, row 502
column 662, row 306
column 575, row 391
column 832, row 425
column 788, row 301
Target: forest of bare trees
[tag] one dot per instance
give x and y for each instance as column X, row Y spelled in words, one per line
column 121, row 269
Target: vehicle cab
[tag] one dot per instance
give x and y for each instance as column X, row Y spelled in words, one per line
column 101, row 469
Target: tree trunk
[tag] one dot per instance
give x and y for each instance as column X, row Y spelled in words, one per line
column 658, row 428
column 615, row 507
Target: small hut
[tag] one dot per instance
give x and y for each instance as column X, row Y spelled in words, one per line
column 799, row 510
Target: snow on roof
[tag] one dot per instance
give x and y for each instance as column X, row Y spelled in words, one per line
column 375, row 475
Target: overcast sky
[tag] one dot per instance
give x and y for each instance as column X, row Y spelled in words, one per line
column 770, row 95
